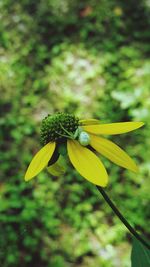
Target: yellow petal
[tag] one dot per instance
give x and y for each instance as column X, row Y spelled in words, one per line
column 112, row 152
column 57, row 168
column 113, row 128
column 40, row 161
column 89, row 122
column 87, row 163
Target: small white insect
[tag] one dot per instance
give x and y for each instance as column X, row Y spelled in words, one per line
column 84, row 138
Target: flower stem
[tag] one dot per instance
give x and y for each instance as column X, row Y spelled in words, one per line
column 121, row 217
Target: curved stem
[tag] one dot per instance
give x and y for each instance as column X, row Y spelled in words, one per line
column 121, row 217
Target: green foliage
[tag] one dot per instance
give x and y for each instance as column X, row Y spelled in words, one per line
column 90, row 59
column 140, row 255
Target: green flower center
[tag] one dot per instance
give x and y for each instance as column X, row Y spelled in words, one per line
column 58, row 127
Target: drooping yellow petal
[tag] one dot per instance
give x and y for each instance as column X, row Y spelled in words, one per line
column 40, row 161
column 113, row 128
column 112, row 152
column 87, row 163
column 58, row 168
column 89, row 122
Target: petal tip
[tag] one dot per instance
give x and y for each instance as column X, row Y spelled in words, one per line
column 135, row 169
column 141, row 123
column 39, row 161
column 26, row 178
column 104, row 185
column 104, row 182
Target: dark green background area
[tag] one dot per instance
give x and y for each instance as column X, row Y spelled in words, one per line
column 90, row 58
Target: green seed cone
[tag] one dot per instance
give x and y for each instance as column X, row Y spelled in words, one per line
column 53, row 127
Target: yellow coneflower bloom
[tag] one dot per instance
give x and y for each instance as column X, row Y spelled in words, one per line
column 81, row 138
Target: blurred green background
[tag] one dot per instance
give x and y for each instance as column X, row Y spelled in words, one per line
column 90, row 58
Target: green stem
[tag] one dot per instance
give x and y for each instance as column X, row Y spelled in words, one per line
column 121, row 217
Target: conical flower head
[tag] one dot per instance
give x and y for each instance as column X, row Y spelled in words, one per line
column 56, row 127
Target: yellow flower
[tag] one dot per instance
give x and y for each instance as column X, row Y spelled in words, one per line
column 82, row 138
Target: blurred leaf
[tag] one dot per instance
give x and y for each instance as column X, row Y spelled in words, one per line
column 140, row 255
